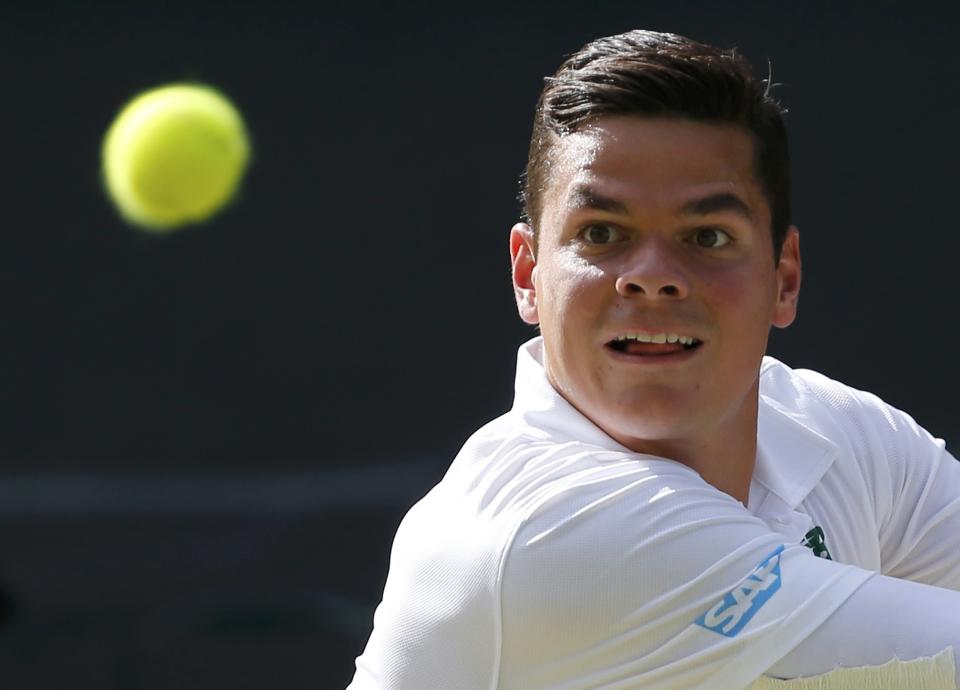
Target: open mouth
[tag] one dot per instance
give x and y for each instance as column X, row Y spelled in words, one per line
column 653, row 345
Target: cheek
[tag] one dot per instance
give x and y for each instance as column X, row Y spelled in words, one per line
column 742, row 294
column 572, row 290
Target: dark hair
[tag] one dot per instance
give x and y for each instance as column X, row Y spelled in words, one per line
column 655, row 74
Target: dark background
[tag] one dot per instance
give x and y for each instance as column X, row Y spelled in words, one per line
column 209, row 438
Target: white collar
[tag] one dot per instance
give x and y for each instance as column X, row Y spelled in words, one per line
column 791, row 456
column 546, row 412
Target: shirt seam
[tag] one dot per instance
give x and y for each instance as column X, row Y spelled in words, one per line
column 498, row 608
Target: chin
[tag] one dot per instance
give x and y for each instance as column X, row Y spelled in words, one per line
column 633, row 425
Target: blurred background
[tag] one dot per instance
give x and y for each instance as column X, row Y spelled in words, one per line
column 208, row 439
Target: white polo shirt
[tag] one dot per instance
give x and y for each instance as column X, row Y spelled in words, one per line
column 550, row 556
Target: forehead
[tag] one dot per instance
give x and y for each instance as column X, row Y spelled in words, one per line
column 651, row 163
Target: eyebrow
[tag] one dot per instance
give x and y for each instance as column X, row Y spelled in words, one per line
column 586, row 197
column 717, row 203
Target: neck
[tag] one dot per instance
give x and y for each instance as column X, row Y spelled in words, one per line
column 723, row 456
column 732, row 475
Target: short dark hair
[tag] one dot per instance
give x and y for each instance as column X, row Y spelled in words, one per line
column 654, row 74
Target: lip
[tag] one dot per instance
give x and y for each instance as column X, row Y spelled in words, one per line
column 672, row 358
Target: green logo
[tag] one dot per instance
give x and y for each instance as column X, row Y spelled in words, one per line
column 814, row 540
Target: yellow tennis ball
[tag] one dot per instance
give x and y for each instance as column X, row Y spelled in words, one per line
column 174, row 155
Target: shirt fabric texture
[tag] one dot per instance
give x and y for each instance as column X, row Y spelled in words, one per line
column 550, row 556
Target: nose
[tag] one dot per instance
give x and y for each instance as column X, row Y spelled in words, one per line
column 653, row 270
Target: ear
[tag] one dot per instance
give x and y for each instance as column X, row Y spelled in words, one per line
column 788, row 280
column 523, row 259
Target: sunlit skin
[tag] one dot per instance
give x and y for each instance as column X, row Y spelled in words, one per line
column 659, row 226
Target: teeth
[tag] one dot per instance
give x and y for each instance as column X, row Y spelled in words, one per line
column 657, row 338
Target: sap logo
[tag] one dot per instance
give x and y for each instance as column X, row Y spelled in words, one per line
column 735, row 610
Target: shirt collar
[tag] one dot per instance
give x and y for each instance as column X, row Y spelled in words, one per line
column 791, row 456
column 546, row 413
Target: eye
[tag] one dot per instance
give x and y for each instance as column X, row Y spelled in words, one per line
column 711, row 238
column 599, row 234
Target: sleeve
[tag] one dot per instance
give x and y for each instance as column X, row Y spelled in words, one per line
column 657, row 580
column 883, row 620
column 920, row 532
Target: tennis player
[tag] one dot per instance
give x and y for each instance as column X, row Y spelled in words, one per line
column 664, row 507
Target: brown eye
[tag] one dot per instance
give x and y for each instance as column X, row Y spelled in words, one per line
column 599, row 234
column 711, row 238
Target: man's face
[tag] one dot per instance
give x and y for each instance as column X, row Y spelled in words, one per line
column 654, row 230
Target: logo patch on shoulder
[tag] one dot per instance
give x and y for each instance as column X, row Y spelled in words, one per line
column 816, row 542
column 732, row 613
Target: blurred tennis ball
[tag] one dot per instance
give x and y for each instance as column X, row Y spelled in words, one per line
column 174, row 155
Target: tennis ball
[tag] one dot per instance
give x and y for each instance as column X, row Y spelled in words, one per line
column 174, row 155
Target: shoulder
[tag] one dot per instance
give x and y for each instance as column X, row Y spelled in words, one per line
column 508, row 498
column 876, row 449
column 522, row 498
column 505, row 481
column 805, row 388
column 832, row 408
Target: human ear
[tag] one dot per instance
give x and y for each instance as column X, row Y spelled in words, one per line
column 788, row 280
column 523, row 260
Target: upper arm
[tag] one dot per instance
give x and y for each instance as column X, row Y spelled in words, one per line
column 887, row 618
column 659, row 582
column 920, row 535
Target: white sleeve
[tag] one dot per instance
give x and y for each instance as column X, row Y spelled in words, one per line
column 920, row 532
column 885, row 619
column 655, row 579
